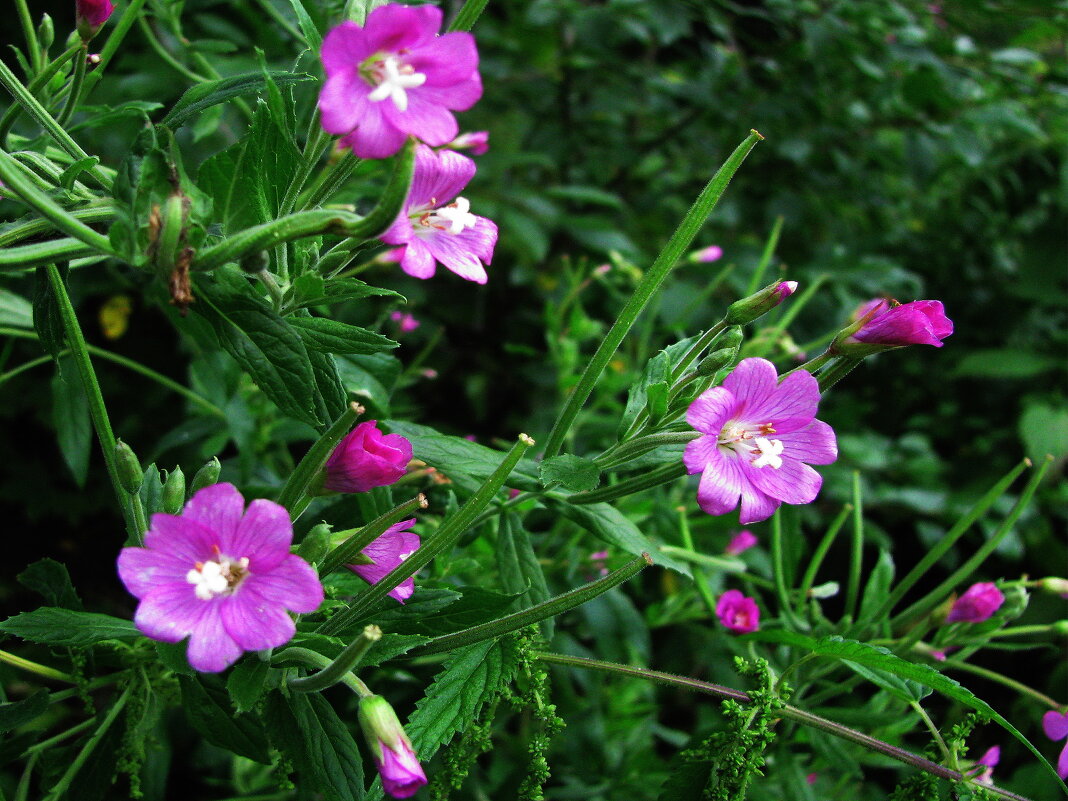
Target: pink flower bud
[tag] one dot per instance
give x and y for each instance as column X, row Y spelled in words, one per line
column 406, row 323
column 977, row 604
column 890, row 324
column 366, row 458
column 709, row 254
column 90, row 15
column 397, row 764
column 475, row 141
column 737, row 612
column 742, row 541
column 760, row 303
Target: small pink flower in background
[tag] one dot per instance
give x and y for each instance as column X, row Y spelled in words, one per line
column 1055, row 725
column 760, row 436
column 708, row 254
column 475, row 141
column 470, row 437
column 513, row 493
column 977, row 604
column 389, row 550
column 391, row 256
column 811, row 778
column 599, row 561
column 394, row 77
column 983, row 772
column 740, row 542
column 220, row 575
column 429, row 373
column 90, row 15
column 406, row 323
column 433, row 227
column 602, row 269
column 397, row 764
column 737, row 612
column 366, row 458
column 921, row 322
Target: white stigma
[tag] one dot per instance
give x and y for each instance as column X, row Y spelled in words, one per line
column 393, row 81
column 210, row 579
column 457, row 215
column 768, row 452
column 404, row 556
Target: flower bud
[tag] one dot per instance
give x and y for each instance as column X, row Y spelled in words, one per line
column 475, row 141
column 705, row 255
column 740, row 542
column 206, row 476
column 91, row 15
column 174, row 492
column 46, row 32
column 738, row 612
column 316, row 543
column 1057, row 586
column 882, row 324
column 827, row 590
column 366, row 458
column 131, row 476
column 397, row 764
column 977, row 604
column 757, row 305
column 716, row 360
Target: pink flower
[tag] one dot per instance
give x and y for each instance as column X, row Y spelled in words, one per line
column 397, row 764
column 893, row 324
column 394, row 77
column 760, row 437
column 737, row 612
column 366, row 458
column 983, row 772
column 742, row 541
column 385, row 553
column 433, row 229
column 977, row 604
column 476, row 141
column 1055, row 725
column 406, row 323
column 90, row 15
column 221, row 576
column 811, row 778
column 709, row 254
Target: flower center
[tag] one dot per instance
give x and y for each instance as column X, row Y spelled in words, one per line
column 453, row 218
column 221, row 576
column 751, row 442
column 390, row 78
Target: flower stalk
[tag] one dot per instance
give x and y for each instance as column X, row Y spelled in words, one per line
column 335, row 671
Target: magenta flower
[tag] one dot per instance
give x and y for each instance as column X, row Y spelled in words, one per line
column 385, row 553
column 221, row 576
column 708, row 254
column 475, row 141
column 90, row 15
column 740, row 542
column 397, row 764
column 406, row 323
column 893, row 324
column 433, row 229
column 983, row 772
column 1055, row 725
column 760, row 437
column 394, row 77
column 737, row 612
column 366, row 458
column 977, row 604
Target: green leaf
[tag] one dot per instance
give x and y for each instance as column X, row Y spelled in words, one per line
column 51, row 579
column 70, row 416
column 46, row 320
column 18, row 713
column 574, row 472
column 310, row 290
column 612, row 526
column 212, row 93
column 70, row 175
column 475, row 606
column 371, row 377
column 1043, row 428
column 207, row 706
column 307, row 730
column 1007, row 363
column 521, row 573
column 331, row 336
column 905, row 689
column 877, row 589
column 51, row 625
column 448, row 453
column 307, row 26
column 247, row 682
column 657, row 371
column 471, row 676
column 390, row 646
column 15, row 310
column 330, row 395
column 98, row 116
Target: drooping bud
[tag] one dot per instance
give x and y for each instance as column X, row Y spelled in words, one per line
column 206, row 476
column 397, row 764
column 757, row 305
column 91, row 15
column 174, row 492
column 131, row 476
column 882, row 324
column 316, row 544
column 740, row 542
column 977, row 604
column 366, row 458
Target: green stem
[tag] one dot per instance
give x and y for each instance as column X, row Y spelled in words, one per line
column 639, row 446
column 786, row 712
column 856, row 556
column 468, row 15
column 74, row 94
column 44, row 745
column 933, row 729
column 447, row 533
column 342, row 666
column 362, row 537
column 31, row 228
column 314, row 659
column 22, row 368
column 97, row 411
column 779, row 575
column 315, row 459
column 698, row 347
column 836, row 371
column 32, row 45
column 527, row 617
column 165, row 54
column 41, row 670
column 765, row 257
column 39, row 80
column 812, row 365
column 933, row 598
column 821, row 552
column 329, row 180
column 628, row 486
column 60, row 787
column 26, row 257
column 699, row 579
column 1023, row 689
column 130, row 14
column 313, row 150
column 643, row 293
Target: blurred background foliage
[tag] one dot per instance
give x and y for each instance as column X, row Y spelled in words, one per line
column 912, row 149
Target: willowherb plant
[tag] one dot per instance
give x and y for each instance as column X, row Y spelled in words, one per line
column 324, row 578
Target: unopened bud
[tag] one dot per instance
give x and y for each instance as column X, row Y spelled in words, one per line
column 46, row 32
column 1058, row 586
column 173, row 498
column 316, row 543
column 397, row 763
column 1016, row 600
column 206, row 476
column 757, row 305
column 828, row 590
column 91, row 15
column 131, row 476
column 255, row 262
column 1060, row 628
column 716, row 360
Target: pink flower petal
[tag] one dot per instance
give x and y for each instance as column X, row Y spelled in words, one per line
column 425, row 118
column 217, row 508
column 143, row 570
column 181, row 538
column 418, row 261
column 699, row 452
column 211, row 649
column 264, row 536
column 438, row 177
column 794, row 482
column 792, row 404
column 1055, row 725
column 343, row 103
column 710, row 411
column 447, row 61
column 344, row 47
column 375, row 137
column 813, row 444
column 394, row 27
column 292, row 583
column 254, row 622
column 752, row 383
column 170, row 612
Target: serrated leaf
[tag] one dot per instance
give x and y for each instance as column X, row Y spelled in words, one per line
column 471, row 676
column 475, row 606
column 70, row 417
column 18, row 713
column 390, row 646
column 309, row 290
column 308, row 731
column 521, row 573
column 51, row 579
column 212, row 93
column 615, row 528
column 172, row 655
column 208, row 709
column 574, row 472
column 331, row 336
column 246, row 682
column 330, row 395
column 307, row 26
column 904, row 689
column 51, row 625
